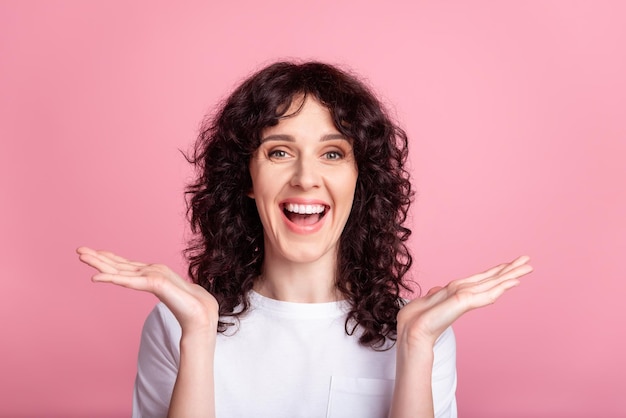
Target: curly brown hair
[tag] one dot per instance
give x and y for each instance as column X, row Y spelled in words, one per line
column 226, row 254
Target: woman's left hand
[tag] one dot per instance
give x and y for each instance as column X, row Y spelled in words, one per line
column 424, row 319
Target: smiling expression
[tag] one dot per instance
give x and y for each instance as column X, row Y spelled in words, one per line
column 303, row 181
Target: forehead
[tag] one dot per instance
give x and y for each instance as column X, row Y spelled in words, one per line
column 304, row 115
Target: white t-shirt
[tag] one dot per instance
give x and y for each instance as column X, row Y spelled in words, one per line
column 286, row 360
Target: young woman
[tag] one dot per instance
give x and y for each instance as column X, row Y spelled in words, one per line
column 294, row 308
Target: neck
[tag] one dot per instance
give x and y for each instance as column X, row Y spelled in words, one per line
column 310, row 282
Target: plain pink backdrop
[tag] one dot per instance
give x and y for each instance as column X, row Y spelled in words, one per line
column 517, row 120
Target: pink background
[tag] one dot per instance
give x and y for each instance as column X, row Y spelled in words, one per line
column 517, row 118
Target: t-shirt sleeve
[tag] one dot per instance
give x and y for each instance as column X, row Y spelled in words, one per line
column 157, row 364
column 444, row 376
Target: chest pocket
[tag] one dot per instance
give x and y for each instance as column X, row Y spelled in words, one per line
column 359, row 397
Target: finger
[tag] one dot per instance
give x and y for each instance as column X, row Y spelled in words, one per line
column 491, row 295
column 516, row 271
column 85, row 250
column 107, row 254
column 433, row 291
column 524, row 259
column 512, row 276
column 434, row 296
column 487, row 273
column 132, row 282
column 495, row 271
column 120, row 259
column 119, row 262
column 96, row 262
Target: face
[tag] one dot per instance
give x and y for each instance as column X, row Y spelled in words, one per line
column 303, row 181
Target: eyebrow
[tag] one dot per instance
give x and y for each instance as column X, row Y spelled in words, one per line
column 289, row 138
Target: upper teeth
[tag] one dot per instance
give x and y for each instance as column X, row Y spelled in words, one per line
column 304, row 209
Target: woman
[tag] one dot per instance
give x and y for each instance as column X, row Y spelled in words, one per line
column 298, row 266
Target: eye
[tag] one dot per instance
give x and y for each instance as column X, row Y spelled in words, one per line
column 277, row 153
column 334, row 155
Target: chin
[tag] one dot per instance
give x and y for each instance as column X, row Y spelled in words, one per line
column 304, row 255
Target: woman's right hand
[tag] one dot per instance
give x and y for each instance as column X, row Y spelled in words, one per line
column 193, row 306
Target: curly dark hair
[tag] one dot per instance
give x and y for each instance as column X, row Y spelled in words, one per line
column 226, row 254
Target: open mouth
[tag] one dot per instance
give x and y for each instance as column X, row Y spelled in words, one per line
column 304, row 215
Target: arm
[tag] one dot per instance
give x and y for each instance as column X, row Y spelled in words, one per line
column 412, row 395
column 194, row 394
column 195, row 309
column 422, row 321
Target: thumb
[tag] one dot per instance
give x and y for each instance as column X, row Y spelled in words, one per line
column 433, row 290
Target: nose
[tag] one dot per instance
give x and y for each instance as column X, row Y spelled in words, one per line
column 306, row 175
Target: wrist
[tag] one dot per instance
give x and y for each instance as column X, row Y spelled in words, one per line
column 414, row 339
column 201, row 323
column 411, row 348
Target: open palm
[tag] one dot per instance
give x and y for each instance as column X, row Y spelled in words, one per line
column 424, row 319
column 192, row 305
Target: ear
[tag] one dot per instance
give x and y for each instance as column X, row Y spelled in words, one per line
column 250, row 194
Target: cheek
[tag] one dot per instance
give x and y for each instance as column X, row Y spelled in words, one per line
column 264, row 193
column 257, row 181
column 351, row 185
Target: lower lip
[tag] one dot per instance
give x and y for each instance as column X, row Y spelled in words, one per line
column 308, row 229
